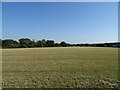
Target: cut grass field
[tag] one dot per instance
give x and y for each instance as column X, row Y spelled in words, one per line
column 60, row 67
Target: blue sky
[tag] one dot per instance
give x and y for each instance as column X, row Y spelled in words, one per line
column 61, row 21
column 0, row 20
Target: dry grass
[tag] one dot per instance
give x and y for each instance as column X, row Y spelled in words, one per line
column 69, row 67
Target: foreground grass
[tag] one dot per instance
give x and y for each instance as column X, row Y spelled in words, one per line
column 69, row 67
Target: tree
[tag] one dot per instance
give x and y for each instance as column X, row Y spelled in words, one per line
column 78, row 45
column 57, row 45
column 25, row 42
column 32, row 44
column 0, row 43
column 86, row 44
column 93, row 45
column 39, row 43
column 43, row 43
column 109, row 45
column 9, row 43
column 50, row 43
column 63, row 44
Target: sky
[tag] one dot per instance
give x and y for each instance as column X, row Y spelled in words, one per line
column 0, row 20
column 72, row 22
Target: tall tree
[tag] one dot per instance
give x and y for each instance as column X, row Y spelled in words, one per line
column 50, row 43
column 63, row 44
column 39, row 43
column 25, row 42
column 9, row 43
column 43, row 43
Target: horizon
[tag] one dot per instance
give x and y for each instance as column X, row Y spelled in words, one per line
column 64, row 21
column 61, row 41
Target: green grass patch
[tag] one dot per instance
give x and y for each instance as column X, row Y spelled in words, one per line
column 60, row 67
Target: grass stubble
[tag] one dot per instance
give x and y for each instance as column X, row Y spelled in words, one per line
column 60, row 67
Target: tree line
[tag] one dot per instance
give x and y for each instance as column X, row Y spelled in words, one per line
column 28, row 43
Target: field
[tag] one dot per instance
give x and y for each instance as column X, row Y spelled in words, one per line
column 60, row 67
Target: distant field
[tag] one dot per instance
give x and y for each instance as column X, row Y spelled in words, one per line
column 60, row 67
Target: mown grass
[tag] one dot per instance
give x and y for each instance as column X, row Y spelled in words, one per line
column 62, row 67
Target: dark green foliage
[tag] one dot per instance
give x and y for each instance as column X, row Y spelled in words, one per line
column 63, row 44
column 43, row 43
column 0, row 43
column 9, row 43
column 32, row 44
column 25, row 42
column 50, row 43
column 38, row 44
column 57, row 45
column 100, row 45
column 28, row 43
column 109, row 45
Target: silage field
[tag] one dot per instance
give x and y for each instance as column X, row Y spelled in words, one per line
column 60, row 67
